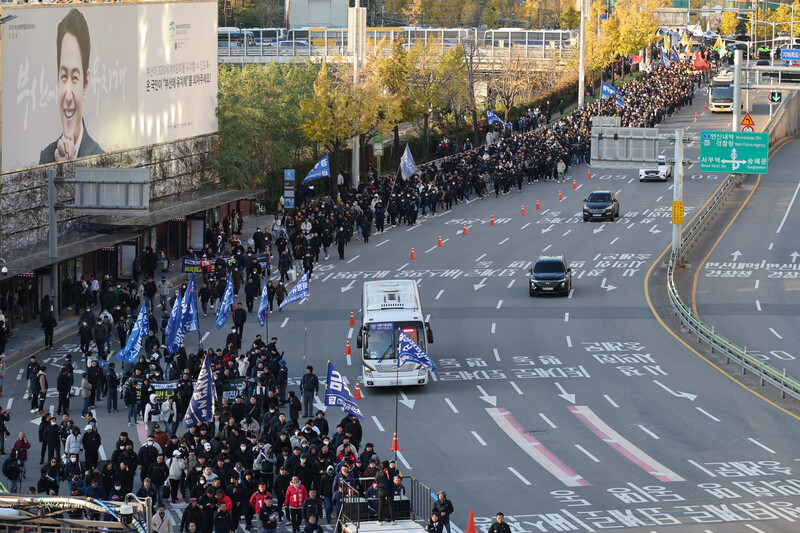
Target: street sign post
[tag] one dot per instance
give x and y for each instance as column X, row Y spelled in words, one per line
column 775, row 97
column 747, row 123
column 790, row 54
column 288, row 188
column 741, row 152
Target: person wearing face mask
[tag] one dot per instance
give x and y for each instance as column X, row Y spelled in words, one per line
column 117, row 493
column 73, row 467
column 296, row 494
column 162, row 522
column 85, row 334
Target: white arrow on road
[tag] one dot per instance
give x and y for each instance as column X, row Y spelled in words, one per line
column 736, row 255
column 405, row 401
column 569, row 397
column 479, row 285
column 598, row 229
column 794, row 256
column 491, row 400
column 348, row 287
column 678, row 394
column 545, row 230
column 654, row 230
column 607, row 286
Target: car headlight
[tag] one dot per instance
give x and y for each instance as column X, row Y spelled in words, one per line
column 368, row 373
column 608, row 208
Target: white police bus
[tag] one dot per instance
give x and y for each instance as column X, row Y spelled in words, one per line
column 389, row 307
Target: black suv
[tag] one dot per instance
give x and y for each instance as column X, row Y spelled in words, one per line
column 601, row 204
column 550, row 275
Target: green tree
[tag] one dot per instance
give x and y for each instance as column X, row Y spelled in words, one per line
column 570, row 19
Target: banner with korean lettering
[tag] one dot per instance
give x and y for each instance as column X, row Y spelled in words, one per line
column 337, row 394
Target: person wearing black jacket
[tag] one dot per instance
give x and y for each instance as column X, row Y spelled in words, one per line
column 91, row 445
column 52, row 439
column 158, row 472
column 239, row 318
column 499, row 525
column 250, row 292
column 443, row 508
column 385, row 492
column 63, row 386
column 192, row 514
column 48, row 325
column 43, row 425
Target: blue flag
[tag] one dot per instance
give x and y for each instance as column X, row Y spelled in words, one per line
column 619, row 100
column 298, row 292
column 322, row 168
column 173, row 325
column 225, row 304
column 407, row 165
column 493, row 118
column 138, row 333
column 203, row 401
column 673, row 55
column 410, row 352
column 664, row 58
column 337, row 393
column 607, row 91
column 263, row 307
column 189, row 321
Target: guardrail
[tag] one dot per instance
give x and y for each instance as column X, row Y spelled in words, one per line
column 707, row 334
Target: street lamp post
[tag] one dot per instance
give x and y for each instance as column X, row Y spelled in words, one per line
column 582, row 62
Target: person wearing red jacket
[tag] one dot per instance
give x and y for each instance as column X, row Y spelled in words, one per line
column 258, row 499
column 224, row 498
column 296, row 494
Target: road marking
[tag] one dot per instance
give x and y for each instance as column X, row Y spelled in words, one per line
column 511, row 283
column 285, row 320
column 581, row 274
column 754, row 441
column 101, row 451
column 204, row 336
column 481, row 257
column 546, row 210
column 754, row 528
column 571, row 292
column 432, row 248
column 567, row 233
column 589, row 455
column 709, row 415
column 350, row 333
column 378, row 423
column 519, row 475
column 402, row 267
column 771, row 245
column 775, row 333
column 758, row 305
column 478, row 438
column 382, row 243
column 549, row 422
column 428, row 317
column 496, row 354
column 515, row 387
column 569, row 342
column 631, row 181
column 349, row 360
column 701, row 467
column 659, row 199
column 649, row 432
column 494, row 326
column 353, row 259
column 499, row 303
column 453, row 407
column 794, row 197
column 10, row 401
column 757, row 283
column 403, row 460
column 566, row 317
column 547, row 247
column 503, row 241
column 525, row 226
column 415, row 226
column 612, row 402
column 535, row 449
column 624, row 447
column 579, row 186
column 615, row 240
column 631, row 225
column 439, row 295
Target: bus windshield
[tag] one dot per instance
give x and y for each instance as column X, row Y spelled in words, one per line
column 722, row 93
column 381, row 339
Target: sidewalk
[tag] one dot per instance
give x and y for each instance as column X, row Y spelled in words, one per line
column 28, row 337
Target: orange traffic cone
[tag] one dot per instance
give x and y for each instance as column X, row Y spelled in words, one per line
column 352, row 319
column 695, row 115
column 440, row 241
column 358, row 395
column 347, row 350
column 574, row 185
column 523, row 210
column 491, row 222
column 413, row 256
column 465, row 229
column 559, row 195
column 471, row 523
column 706, row 106
column 537, row 204
column 395, row 445
column 588, row 174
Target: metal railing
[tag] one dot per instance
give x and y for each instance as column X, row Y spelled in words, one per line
column 705, row 333
column 415, row 505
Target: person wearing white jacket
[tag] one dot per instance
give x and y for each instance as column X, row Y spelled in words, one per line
column 74, row 444
column 152, row 414
column 162, row 521
column 169, row 415
column 176, row 467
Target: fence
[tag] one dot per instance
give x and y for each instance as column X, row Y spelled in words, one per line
column 416, row 505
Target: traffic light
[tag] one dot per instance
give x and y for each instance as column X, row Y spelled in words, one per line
column 775, row 97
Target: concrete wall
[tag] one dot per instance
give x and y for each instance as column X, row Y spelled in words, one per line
column 786, row 121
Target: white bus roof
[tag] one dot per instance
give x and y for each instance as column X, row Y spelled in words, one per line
column 391, row 295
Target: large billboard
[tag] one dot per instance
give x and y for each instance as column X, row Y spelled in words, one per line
column 80, row 81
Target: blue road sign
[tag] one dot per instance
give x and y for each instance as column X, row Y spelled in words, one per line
column 790, row 54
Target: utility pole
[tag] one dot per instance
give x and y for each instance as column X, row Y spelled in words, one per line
column 357, row 36
column 677, row 195
column 582, row 64
column 737, row 89
column 51, row 204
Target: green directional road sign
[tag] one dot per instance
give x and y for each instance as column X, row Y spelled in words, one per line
column 740, row 152
column 775, row 97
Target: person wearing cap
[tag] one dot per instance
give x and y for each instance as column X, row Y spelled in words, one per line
column 192, row 514
column 91, row 445
column 176, row 466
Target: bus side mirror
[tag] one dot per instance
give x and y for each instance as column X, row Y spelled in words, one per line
column 360, row 338
column 429, row 332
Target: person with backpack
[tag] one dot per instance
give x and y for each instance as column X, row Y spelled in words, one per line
column 152, row 414
column 12, row 469
column 5, row 417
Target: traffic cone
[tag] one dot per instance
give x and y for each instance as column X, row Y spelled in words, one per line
column 352, row 319
column 574, row 185
column 465, row 229
column 358, row 395
column 695, row 115
column 523, row 210
column 537, row 204
column 395, row 445
column 440, row 241
column 471, row 523
column 559, row 195
column 413, row 256
column 491, row 221
column 588, row 174
column 347, row 350
column 706, row 106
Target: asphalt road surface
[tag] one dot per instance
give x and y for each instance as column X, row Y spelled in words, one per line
column 579, row 413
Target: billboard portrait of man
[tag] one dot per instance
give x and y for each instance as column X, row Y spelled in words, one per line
column 72, row 50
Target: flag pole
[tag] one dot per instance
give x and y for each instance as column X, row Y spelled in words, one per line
column 396, row 393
